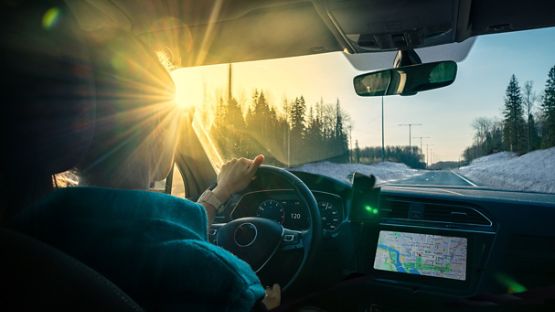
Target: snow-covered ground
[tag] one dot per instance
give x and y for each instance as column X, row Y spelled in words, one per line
column 384, row 172
column 534, row 171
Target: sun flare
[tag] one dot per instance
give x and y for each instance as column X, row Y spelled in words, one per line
column 189, row 91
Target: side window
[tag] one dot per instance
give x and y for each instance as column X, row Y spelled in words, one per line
column 70, row 178
column 178, row 185
column 158, row 186
column 176, row 182
column 65, row 179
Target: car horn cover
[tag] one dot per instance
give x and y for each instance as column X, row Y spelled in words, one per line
column 252, row 239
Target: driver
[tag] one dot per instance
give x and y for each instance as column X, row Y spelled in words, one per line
column 141, row 240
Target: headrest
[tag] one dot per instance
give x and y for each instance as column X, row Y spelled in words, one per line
column 136, row 119
column 71, row 94
column 48, row 96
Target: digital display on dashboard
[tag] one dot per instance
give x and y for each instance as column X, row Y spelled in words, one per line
column 422, row 254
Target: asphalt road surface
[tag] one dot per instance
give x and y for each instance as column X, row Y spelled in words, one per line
column 439, row 177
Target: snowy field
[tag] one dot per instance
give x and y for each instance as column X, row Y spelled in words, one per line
column 384, row 172
column 534, row 171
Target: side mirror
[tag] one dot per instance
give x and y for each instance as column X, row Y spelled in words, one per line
column 406, row 80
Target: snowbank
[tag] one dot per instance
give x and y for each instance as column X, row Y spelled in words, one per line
column 494, row 158
column 534, row 171
column 384, row 172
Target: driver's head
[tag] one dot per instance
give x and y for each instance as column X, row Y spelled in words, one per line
column 136, row 119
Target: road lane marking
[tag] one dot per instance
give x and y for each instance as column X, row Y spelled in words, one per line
column 464, row 179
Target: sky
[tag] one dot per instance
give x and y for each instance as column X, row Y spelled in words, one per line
column 446, row 114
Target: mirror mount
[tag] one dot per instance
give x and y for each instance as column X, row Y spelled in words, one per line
column 406, row 58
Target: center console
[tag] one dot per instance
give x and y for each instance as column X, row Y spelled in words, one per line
column 418, row 244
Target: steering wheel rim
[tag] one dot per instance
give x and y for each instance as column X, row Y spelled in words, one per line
column 307, row 240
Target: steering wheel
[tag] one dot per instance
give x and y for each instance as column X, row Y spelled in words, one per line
column 257, row 240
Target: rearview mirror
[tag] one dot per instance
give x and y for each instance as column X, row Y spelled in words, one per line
column 407, row 80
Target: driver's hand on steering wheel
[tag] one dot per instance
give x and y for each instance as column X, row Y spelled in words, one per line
column 272, row 299
column 236, row 175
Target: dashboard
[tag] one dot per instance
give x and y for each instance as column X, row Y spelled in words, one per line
column 285, row 208
column 437, row 243
column 400, row 241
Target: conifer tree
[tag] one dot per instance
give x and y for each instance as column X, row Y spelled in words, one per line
column 548, row 110
column 514, row 133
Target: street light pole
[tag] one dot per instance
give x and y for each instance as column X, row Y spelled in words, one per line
column 410, row 130
column 288, row 147
column 383, row 146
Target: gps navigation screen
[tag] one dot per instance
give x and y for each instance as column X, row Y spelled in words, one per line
column 422, row 254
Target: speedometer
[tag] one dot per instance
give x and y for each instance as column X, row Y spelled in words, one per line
column 271, row 209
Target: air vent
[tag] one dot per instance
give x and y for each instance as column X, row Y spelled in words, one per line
column 394, row 209
column 434, row 212
column 456, row 214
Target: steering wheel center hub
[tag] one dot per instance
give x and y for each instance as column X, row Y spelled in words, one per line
column 254, row 240
column 245, row 234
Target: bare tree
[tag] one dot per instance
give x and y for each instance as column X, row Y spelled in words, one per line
column 482, row 126
column 529, row 98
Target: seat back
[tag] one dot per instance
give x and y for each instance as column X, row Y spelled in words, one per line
column 36, row 276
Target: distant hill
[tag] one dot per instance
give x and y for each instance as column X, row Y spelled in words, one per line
column 445, row 165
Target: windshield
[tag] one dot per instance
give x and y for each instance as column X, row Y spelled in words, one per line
column 494, row 127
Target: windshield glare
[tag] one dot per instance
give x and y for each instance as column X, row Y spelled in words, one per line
column 494, row 127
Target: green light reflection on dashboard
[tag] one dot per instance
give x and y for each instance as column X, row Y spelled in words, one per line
column 512, row 285
column 371, row 210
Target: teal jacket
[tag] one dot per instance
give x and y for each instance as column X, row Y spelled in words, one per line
column 151, row 245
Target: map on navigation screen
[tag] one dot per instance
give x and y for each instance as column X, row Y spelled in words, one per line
column 422, row 254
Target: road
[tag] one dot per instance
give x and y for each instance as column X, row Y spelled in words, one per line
column 439, row 177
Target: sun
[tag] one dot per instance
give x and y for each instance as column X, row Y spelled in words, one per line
column 181, row 99
column 189, row 91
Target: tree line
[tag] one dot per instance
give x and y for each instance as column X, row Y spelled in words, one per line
column 524, row 126
column 297, row 134
column 411, row 156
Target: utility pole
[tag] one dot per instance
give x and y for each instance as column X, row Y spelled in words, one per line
column 288, row 147
column 422, row 137
column 229, row 83
column 427, row 154
column 383, row 146
column 410, row 125
column 350, row 128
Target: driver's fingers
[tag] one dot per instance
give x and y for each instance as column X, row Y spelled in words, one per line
column 276, row 288
column 256, row 162
column 246, row 164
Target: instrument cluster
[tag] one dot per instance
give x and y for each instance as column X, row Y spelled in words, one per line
column 284, row 207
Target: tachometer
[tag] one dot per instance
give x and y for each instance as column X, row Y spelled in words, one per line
column 271, row 209
column 330, row 214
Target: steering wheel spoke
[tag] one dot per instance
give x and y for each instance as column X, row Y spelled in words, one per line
column 294, row 240
column 213, row 232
